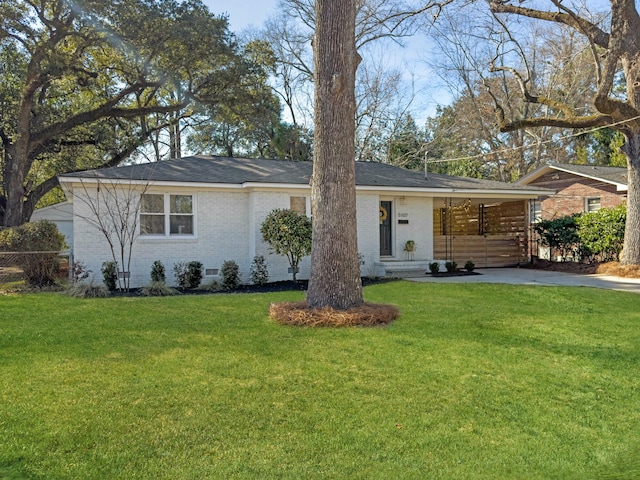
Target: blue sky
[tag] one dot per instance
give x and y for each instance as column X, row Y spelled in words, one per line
column 252, row 13
column 243, row 13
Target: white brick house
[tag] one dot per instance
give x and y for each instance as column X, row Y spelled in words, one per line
column 210, row 209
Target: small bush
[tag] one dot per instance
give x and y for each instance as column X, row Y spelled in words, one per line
column 230, row 275
column 451, row 266
column 469, row 266
column 434, row 267
column 41, row 242
column 158, row 273
column 87, row 290
column 110, row 275
column 259, row 272
column 158, row 289
column 560, row 235
column 188, row 274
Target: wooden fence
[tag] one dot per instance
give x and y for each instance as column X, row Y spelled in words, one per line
column 483, row 251
column 488, row 235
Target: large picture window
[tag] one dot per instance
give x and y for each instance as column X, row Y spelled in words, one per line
column 166, row 214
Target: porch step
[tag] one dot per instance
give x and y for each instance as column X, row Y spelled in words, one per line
column 404, row 269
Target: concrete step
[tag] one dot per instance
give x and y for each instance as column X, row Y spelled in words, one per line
column 404, row 269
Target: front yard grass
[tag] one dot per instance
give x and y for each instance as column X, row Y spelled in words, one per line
column 471, row 382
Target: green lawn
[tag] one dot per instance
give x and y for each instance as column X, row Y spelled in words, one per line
column 471, row 382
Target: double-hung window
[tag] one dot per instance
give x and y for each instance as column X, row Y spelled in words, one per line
column 592, row 204
column 163, row 214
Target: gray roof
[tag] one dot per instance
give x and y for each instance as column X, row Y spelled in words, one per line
column 227, row 170
column 617, row 175
column 611, row 174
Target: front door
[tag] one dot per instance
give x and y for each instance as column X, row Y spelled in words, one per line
column 385, row 229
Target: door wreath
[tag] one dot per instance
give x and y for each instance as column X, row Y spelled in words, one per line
column 383, row 214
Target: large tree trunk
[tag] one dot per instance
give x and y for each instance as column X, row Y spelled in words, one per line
column 631, row 251
column 335, row 269
column 14, row 189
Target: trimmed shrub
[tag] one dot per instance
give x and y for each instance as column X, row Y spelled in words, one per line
column 44, row 240
column 451, row 266
column 158, row 273
column 469, row 266
column 110, row 275
column 230, row 275
column 602, row 232
column 188, row 274
column 259, row 271
column 288, row 233
column 434, row 267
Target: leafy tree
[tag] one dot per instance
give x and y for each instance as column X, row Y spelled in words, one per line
column 288, row 233
column 82, row 78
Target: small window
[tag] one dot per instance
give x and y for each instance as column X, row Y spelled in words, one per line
column 298, row 204
column 162, row 213
column 593, row 204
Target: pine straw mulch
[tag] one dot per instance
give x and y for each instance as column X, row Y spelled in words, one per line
column 302, row 315
column 568, row 267
column 617, row 270
column 609, row 268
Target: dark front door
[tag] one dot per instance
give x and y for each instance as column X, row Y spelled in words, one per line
column 385, row 228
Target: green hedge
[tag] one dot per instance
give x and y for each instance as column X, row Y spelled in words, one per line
column 595, row 236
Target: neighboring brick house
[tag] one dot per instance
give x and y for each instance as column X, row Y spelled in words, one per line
column 210, row 209
column 579, row 188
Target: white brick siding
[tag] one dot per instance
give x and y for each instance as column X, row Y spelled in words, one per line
column 227, row 227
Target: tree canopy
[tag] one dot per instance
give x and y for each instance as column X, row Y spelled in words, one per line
column 81, row 80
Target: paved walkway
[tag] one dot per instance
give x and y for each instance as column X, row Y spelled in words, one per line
column 528, row 276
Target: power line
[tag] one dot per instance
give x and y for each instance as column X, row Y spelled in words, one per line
column 525, row 147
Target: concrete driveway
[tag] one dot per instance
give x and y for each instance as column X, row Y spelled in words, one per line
column 528, row 276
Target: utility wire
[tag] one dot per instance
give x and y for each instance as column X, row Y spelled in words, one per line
column 526, row 147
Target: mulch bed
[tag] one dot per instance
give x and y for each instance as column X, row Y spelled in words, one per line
column 606, row 268
column 568, row 267
column 300, row 314
column 271, row 287
column 457, row 273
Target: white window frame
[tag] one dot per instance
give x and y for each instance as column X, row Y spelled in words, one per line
column 587, row 205
column 167, row 217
